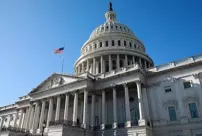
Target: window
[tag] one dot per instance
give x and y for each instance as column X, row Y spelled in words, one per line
column 95, row 46
column 106, row 43
column 134, row 45
column 193, row 110
column 112, row 42
column 187, row 84
column 107, row 66
column 121, row 63
column 100, row 44
column 119, row 43
column 130, row 44
column 172, row 113
column 167, row 89
column 114, row 64
column 124, row 43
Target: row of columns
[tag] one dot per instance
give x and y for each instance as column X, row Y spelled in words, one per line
column 92, row 65
column 23, row 118
column 34, row 115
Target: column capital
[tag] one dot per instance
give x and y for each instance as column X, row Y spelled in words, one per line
column 125, row 85
column 138, row 82
column 113, row 85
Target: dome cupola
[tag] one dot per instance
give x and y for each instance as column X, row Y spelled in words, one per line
column 111, row 46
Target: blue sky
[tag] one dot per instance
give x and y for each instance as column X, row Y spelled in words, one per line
column 31, row 29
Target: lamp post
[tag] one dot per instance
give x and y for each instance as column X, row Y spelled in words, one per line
column 43, row 127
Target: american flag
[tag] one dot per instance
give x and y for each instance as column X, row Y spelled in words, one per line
column 59, row 50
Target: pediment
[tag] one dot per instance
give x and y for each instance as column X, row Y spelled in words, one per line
column 54, row 81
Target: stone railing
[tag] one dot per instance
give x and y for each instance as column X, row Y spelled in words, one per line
column 8, row 107
column 24, row 98
column 14, row 129
column 65, row 123
column 94, row 128
column 25, row 132
column 177, row 63
column 118, row 71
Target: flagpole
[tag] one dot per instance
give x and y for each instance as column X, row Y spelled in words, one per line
column 63, row 60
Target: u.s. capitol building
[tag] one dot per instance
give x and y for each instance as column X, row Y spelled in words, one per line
column 116, row 91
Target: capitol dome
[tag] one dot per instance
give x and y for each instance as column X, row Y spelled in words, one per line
column 111, row 46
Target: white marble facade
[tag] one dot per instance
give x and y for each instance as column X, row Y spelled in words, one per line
column 116, row 90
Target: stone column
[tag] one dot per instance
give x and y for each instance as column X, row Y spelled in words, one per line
column 57, row 114
column 25, row 118
column 126, row 60
column 85, row 108
column 94, row 66
column 82, row 70
column 103, row 109
column 114, row 108
column 110, row 63
column 2, row 121
column 20, row 119
column 133, row 60
column 101, row 63
column 79, row 69
column 42, row 115
column 75, row 108
column 36, row 116
column 140, row 62
column 66, row 111
column 93, row 110
column 28, row 118
column 9, row 120
column 31, row 117
column 145, row 64
column 50, row 112
column 127, row 106
column 87, row 66
column 117, row 62
column 139, row 94
column 15, row 119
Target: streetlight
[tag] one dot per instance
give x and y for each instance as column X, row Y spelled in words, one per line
column 43, row 127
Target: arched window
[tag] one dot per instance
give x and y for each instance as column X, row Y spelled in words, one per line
column 114, row 64
column 124, row 43
column 95, row 46
column 130, row 44
column 134, row 45
column 119, row 43
column 112, row 42
column 120, row 27
column 100, row 44
column 121, row 63
column 107, row 27
column 106, row 43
